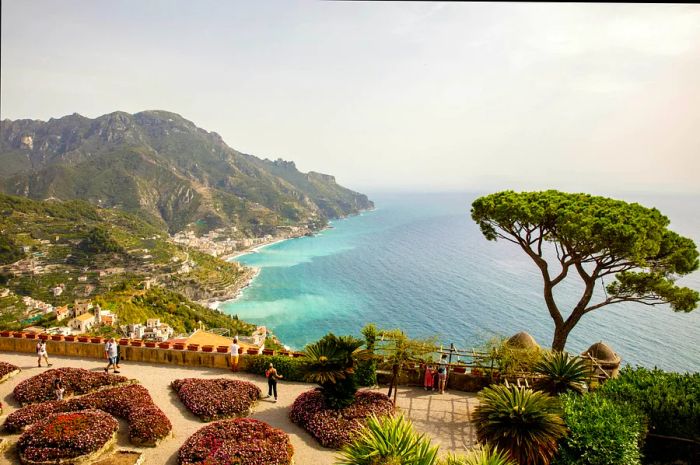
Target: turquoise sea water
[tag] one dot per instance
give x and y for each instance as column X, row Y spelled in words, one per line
column 418, row 262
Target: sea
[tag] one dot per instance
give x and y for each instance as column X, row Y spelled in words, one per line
column 418, row 262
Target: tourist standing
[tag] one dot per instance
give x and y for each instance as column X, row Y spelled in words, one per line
column 111, row 350
column 58, row 388
column 234, row 354
column 442, row 373
column 41, row 353
column 272, row 377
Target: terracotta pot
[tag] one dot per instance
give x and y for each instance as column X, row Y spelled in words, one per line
column 57, row 337
column 284, row 352
column 164, row 345
column 70, row 338
column 136, row 343
column 252, row 351
column 240, row 350
column 193, row 347
column 459, row 369
column 96, row 340
column 297, row 354
column 30, row 336
column 476, row 372
column 5, row 333
column 179, row 346
column 18, row 334
column 207, row 348
column 149, row 344
column 83, row 339
column 44, row 336
column 268, row 352
column 222, row 349
column 123, row 342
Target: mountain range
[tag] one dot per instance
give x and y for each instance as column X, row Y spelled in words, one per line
column 163, row 167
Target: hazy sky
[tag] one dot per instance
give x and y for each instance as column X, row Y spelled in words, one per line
column 417, row 96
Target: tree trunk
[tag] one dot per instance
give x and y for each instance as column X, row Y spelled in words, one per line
column 561, row 333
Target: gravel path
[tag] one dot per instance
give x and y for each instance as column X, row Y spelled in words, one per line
column 444, row 417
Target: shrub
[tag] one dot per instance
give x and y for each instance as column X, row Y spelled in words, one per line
column 334, row 428
column 147, row 423
column 482, row 456
column 66, row 436
column 215, row 399
column 76, row 381
column 526, row 424
column 290, row 368
column 388, row 440
column 669, row 400
column 366, row 371
column 241, row 441
column 7, row 369
column 601, row 432
column 562, row 373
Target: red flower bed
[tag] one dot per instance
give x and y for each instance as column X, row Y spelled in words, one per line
column 335, row 428
column 76, row 381
column 66, row 436
column 241, row 441
column 214, row 399
column 6, row 369
column 147, row 423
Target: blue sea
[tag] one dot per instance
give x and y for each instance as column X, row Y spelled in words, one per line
column 418, row 262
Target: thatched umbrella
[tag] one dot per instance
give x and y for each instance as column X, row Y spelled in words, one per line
column 522, row 340
column 606, row 361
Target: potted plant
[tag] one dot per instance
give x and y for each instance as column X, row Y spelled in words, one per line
column 57, row 337
column 207, row 348
column 476, row 371
column 459, row 369
column 30, row 336
column 150, row 344
column 240, row 350
column 221, row 349
column 268, row 352
column 18, row 334
column 137, row 343
column 96, row 340
column 123, row 342
column 284, row 352
column 83, row 338
column 70, row 338
column 297, row 354
column 164, row 345
column 252, row 351
column 5, row 333
column 179, row 346
column 44, row 336
column 193, row 347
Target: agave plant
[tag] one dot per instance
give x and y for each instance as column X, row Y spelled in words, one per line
column 485, row 455
column 562, row 373
column 389, row 440
column 330, row 363
column 524, row 423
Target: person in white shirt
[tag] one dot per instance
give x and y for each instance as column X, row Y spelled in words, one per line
column 234, row 354
column 111, row 353
column 41, row 353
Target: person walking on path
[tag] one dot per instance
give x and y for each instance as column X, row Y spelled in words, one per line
column 41, row 353
column 234, row 354
column 111, row 349
column 272, row 377
column 442, row 373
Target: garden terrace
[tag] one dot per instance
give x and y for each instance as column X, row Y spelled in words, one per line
column 7, row 370
column 445, row 418
column 243, row 441
column 216, row 399
column 76, row 381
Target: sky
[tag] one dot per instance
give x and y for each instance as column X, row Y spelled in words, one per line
column 386, row 96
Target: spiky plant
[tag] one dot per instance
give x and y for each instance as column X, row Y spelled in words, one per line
column 524, row 423
column 330, row 363
column 485, row 455
column 562, row 373
column 389, row 440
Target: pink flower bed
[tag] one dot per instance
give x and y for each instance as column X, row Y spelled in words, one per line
column 215, row 399
column 335, row 428
column 241, row 441
column 76, row 381
column 147, row 423
column 6, row 369
column 65, row 436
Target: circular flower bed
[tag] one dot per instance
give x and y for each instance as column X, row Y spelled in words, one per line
column 147, row 423
column 7, row 370
column 215, row 399
column 67, row 437
column 76, row 381
column 335, row 428
column 241, row 441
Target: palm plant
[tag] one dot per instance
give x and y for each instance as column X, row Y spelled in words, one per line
column 330, row 363
column 524, row 423
column 389, row 440
column 485, row 455
column 562, row 373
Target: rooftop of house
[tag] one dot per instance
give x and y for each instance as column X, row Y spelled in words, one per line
column 205, row 338
column 85, row 317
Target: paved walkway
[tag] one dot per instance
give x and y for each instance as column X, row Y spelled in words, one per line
column 445, row 417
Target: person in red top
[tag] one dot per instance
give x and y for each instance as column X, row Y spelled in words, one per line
column 428, row 378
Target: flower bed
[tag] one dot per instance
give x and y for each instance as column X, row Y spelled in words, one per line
column 67, row 437
column 241, row 441
column 214, row 399
column 335, row 428
column 7, row 371
column 76, row 381
column 147, row 423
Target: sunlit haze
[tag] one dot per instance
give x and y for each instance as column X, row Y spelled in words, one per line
column 387, row 96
